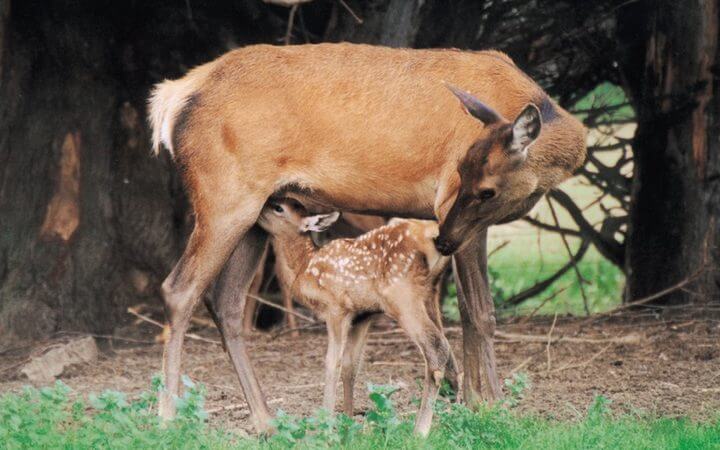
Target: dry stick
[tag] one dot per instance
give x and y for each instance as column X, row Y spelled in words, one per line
column 498, row 248
column 291, row 24
column 572, row 259
column 584, row 363
column 393, row 363
column 302, row 386
column 140, row 307
column 514, row 337
column 386, row 332
column 352, row 13
column 647, row 299
column 194, row 336
column 388, row 341
column 290, row 330
column 521, row 365
column 282, row 308
column 542, row 303
column 549, row 341
column 108, row 337
column 13, row 366
column 240, row 406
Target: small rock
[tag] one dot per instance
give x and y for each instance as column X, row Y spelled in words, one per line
column 44, row 368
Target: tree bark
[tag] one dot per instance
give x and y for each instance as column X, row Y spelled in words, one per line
column 672, row 74
column 91, row 223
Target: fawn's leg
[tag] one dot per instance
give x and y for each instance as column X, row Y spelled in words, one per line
column 338, row 328
column 216, row 233
column 290, row 319
column 229, row 306
column 436, row 350
column 352, row 359
column 453, row 372
column 409, row 305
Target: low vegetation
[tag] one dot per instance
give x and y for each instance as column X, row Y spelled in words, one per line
column 53, row 417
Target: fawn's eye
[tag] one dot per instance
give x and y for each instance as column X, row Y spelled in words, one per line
column 277, row 208
column 486, row 194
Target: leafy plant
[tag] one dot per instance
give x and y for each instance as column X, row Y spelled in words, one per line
column 516, row 387
column 56, row 418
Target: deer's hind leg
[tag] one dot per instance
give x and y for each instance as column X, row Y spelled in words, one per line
column 352, row 359
column 409, row 305
column 216, row 233
column 229, row 306
column 453, row 373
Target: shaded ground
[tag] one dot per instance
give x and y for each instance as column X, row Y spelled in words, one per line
column 672, row 367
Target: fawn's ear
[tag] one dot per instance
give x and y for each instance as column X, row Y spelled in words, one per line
column 320, row 222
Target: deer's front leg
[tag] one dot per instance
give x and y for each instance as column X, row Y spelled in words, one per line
column 477, row 313
column 338, row 328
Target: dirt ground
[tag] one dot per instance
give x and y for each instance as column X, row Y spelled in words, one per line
column 669, row 364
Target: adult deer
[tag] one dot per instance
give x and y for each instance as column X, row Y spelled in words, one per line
column 355, row 128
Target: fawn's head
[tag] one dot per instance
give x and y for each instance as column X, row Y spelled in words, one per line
column 285, row 216
column 492, row 182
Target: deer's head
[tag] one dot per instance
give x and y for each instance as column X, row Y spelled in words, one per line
column 492, row 182
column 286, row 216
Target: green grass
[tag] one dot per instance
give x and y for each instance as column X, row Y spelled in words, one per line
column 50, row 419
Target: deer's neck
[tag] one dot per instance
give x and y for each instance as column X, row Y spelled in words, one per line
column 293, row 254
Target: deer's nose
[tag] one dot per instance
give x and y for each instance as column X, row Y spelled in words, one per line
column 445, row 246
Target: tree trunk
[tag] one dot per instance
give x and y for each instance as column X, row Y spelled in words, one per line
column 672, row 74
column 91, row 223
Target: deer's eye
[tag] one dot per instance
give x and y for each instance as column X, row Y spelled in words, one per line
column 486, row 194
column 277, row 208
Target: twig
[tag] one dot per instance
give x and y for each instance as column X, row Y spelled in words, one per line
column 302, row 386
column 291, row 23
column 386, row 332
column 290, row 330
column 388, row 341
column 498, row 248
column 282, row 308
column 393, row 363
column 515, row 337
column 572, row 259
column 352, row 13
column 109, row 337
column 240, row 406
column 540, row 286
column 13, row 366
column 584, row 363
column 194, row 336
column 542, row 303
column 547, row 227
column 549, row 341
column 521, row 365
column 647, row 299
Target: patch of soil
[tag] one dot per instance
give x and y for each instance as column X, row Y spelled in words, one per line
column 672, row 369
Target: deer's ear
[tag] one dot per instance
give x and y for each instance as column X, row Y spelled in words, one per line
column 319, row 222
column 475, row 107
column 526, row 129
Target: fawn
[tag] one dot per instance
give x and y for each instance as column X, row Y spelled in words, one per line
column 390, row 270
